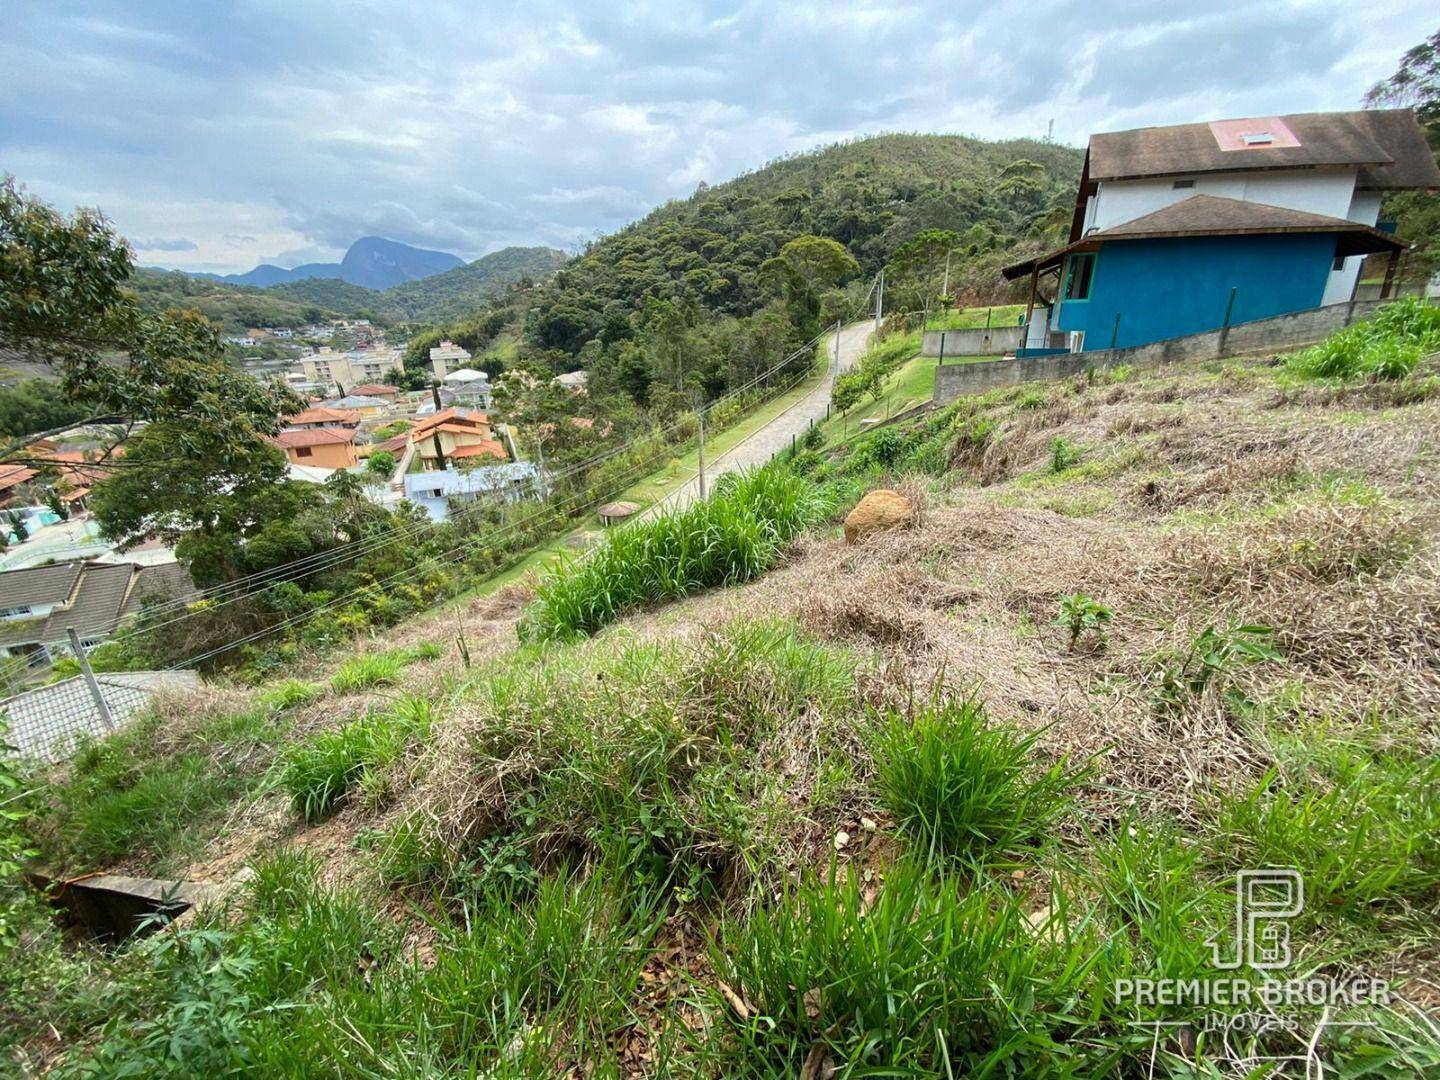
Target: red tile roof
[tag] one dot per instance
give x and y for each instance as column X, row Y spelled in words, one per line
column 14, row 475
column 373, row 390
column 488, row 448
column 322, row 414
column 322, row 436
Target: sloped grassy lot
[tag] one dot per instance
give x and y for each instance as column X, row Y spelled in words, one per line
column 911, row 808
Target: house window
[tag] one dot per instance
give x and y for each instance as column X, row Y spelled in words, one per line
column 1082, row 269
column 304, row 451
column 15, row 612
column 1183, row 184
column 1259, row 138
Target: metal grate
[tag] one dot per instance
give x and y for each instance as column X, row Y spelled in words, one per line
column 45, row 722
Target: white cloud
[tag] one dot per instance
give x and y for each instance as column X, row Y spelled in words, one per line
column 265, row 126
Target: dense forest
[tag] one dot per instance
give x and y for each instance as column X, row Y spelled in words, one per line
column 706, row 291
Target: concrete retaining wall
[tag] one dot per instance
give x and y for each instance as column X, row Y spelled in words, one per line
column 994, row 341
column 1280, row 333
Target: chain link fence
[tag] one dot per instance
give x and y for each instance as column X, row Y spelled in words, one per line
column 45, row 722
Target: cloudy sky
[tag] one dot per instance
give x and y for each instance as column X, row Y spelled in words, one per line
column 219, row 135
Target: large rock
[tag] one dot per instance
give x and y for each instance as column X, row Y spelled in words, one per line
column 880, row 509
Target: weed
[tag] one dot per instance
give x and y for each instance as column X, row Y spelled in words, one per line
column 963, row 788
column 1079, row 613
column 1214, row 653
column 1387, row 346
column 366, row 672
column 916, row 977
column 1365, row 831
column 1064, row 454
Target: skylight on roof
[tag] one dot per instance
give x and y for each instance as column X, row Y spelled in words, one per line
column 1253, row 133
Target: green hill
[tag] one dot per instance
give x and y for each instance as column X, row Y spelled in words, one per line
column 233, row 307
column 676, row 296
column 439, row 298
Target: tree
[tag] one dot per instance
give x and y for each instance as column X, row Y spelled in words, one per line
column 804, row 267
column 1416, row 85
column 65, row 302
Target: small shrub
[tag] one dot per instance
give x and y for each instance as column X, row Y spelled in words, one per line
column 963, row 788
column 1064, row 454
column 1213, row 653
column 1079, row 613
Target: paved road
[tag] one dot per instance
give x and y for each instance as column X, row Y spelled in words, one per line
column 764, row 443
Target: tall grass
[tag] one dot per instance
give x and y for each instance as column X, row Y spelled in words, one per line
column 319, row 771
column 731, row 537
column 918, row 977
column 963, row 788
column 1387, row 346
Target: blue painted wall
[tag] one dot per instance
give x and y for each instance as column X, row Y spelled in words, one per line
column 1166, row 288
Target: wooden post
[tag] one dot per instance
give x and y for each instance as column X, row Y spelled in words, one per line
column 1225, row 327
column 1389, row 275
column 101, row 705
column 942, row 349
column 1115, row 332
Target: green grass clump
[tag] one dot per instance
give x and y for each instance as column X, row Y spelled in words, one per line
column 122, row 798
column 291, row 694
column 320, row 771
column 927, row 977
column 1388, row 345
column 366, row 672
column 729, row 538
column 963, row 788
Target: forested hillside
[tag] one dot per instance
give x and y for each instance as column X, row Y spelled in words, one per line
column 441, row 297
column 703, row 292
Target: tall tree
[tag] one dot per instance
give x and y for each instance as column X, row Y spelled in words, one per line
column 65, row 303
column 1416, row 85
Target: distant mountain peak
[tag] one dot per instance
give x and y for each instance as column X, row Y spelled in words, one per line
column 371, row 261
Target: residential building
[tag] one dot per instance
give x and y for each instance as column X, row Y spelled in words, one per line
column 460, row 432
column 319, row 447
column 436, row 491
column 1184, row 229
column 467, row 387
column 447, row 356
column 12, row 478
column 40, row 604
column 572, row 380
column 344, row 370
column 391, row 394
column 367, row 408
column 319, row 416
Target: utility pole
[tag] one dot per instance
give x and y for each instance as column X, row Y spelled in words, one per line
column 945, row 289
column 879, row 299
column 701, row 414
column 835, row 367
column 435, row 438
column 101, row 705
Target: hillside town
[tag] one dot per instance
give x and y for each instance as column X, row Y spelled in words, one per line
column 921, row 605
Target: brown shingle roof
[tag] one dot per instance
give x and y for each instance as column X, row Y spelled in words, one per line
column 1387, row 142
column 100, row 590
column 1211, row 215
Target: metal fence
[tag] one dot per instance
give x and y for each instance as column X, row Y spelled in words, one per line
column 45, row 722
